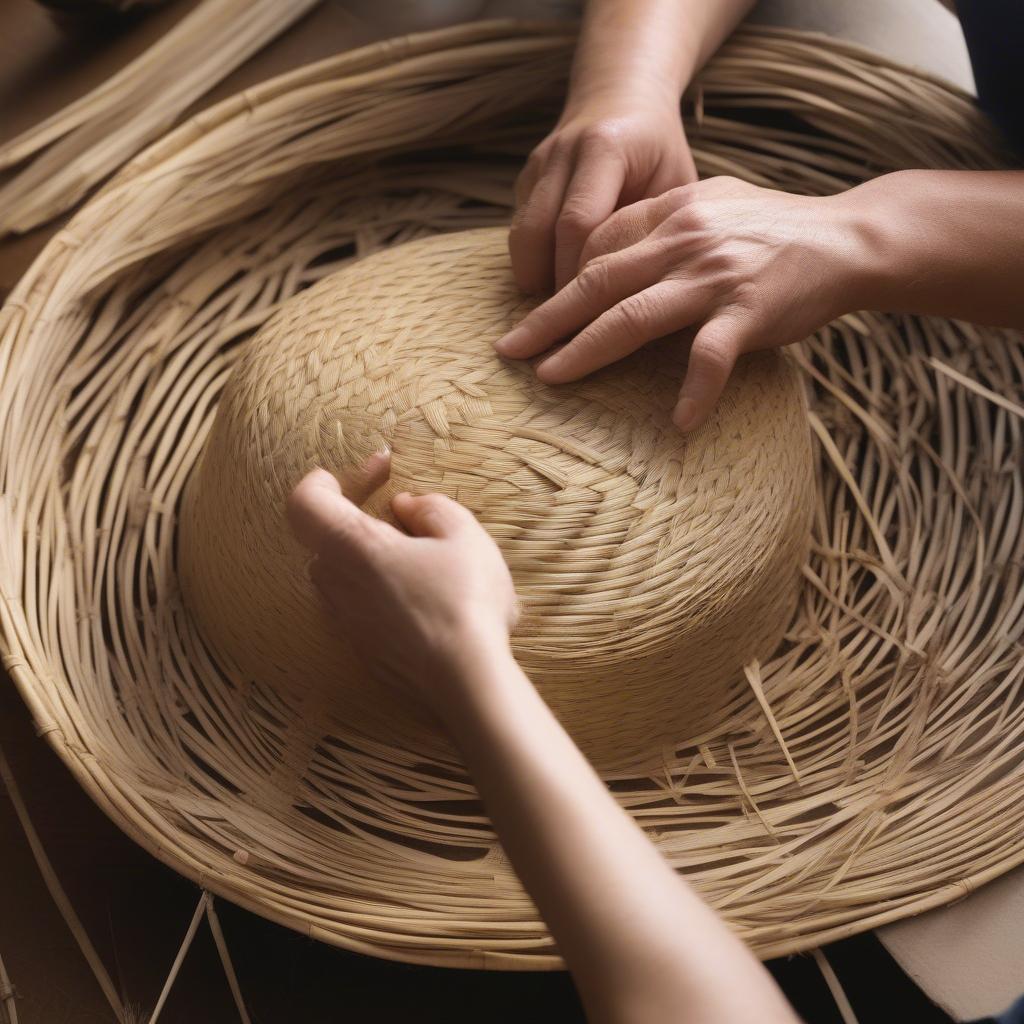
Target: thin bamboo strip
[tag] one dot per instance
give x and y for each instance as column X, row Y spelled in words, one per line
column 897, row 692
column 8, row 1005
column 834, row 986
column 179, row 959
column 60, row 898
column 225, row 959
column 76, row 148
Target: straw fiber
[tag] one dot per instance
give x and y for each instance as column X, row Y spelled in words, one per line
column 869, row 768
column 634, row 551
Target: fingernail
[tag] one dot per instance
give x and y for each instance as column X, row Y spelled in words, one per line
column 685, row 414
column 506, row 346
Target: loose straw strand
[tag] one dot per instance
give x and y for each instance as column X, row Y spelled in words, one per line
column 835, row 987
column 58, row 894
column 8, row 1006
column 78, row 147
column 225, row 959
column 179, row 959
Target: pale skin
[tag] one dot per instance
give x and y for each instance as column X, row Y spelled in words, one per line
column 611, row 215
column 733, row 266
column 428, row 606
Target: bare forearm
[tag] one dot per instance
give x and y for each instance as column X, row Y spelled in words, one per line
column 653, row 47
column 949, row 243
column 642, row 946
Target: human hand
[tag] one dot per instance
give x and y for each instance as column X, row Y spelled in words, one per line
column 604, row 152
column 411, row 604
column 746, row 267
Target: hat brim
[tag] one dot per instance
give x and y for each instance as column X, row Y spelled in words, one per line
column 872, row 769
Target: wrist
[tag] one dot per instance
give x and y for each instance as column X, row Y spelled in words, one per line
column 470, row 646
column 624, row 94
column 877, row 261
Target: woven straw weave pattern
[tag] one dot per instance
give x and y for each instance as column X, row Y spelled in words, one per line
column 870, row 769
column 650, row 568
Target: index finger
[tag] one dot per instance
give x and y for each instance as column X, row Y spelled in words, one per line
column 590, row 199
column 600, row 285
column 318, row 511
column 531, row 238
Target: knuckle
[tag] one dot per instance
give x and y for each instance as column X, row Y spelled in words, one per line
column 679, row 197
column 574, row 220
column 636, row 312
column 537, row 158
column 679, row 221
column 558, row 147
column 724, row 182
column 602, row 134
column 715, row 353
column 593, row 279
column 699, row 211
column 719, row 266
column 695, row 216
column 746, row 294
column 662, row 252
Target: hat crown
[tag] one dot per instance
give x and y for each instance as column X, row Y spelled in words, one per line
column 651, row 565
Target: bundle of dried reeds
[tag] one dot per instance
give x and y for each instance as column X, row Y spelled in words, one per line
column 68, row 154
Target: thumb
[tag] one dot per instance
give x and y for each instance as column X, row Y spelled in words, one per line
column 713, row 355
column 318, row 511
column 431, row 515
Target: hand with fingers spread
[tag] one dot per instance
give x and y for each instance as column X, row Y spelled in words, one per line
column 409, row 602
column 743, row 267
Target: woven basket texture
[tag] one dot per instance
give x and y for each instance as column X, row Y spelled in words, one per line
column 870, row 767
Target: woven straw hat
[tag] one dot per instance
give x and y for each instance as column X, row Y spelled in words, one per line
column 650, row 568
column 869, row 767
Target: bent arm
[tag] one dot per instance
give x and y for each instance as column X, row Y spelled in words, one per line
column 641, row 944
column 947, row 243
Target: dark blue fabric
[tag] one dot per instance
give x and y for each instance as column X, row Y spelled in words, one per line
column 994, row 30
column 1014, row 1015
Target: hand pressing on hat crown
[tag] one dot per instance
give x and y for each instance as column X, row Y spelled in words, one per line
column 604, row 152
column 620, row 138
column 411, row 603
column 739, row 266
